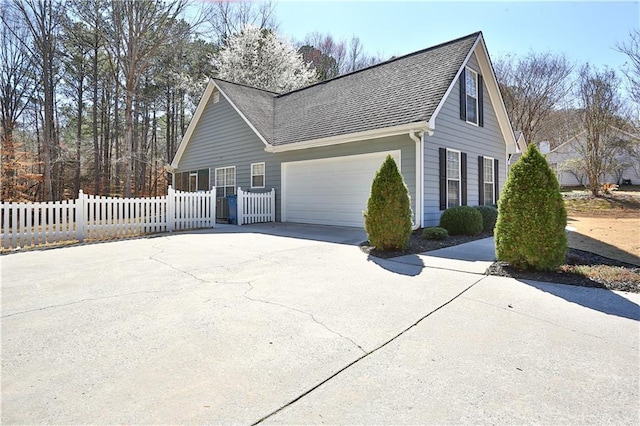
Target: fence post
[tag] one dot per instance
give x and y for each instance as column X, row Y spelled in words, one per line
column 171, row 208
column 240, row 203
column 81, row 220
column 214, row 206
column 273, row 204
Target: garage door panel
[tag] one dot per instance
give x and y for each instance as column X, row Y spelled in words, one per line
column 330, row 191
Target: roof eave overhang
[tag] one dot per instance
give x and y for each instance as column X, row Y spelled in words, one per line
column 211, row 87
column 418, row 126
column 492, row 87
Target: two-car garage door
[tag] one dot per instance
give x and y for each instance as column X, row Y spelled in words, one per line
column 330, row 191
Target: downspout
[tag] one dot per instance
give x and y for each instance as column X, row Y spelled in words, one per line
column 416, row 136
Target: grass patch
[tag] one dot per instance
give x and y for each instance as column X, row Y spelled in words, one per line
column 622, row 278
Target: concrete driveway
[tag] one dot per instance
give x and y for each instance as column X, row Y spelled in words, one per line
column 294, row 324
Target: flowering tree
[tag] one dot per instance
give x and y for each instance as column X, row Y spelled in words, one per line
column 261, row 59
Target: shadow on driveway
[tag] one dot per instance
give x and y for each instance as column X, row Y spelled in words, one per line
column 598, row 299
column 411, row 267
column 331, row 234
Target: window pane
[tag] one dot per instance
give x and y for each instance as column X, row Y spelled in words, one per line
column 258, row 169
column 453, row 164
column 488, row 170
column 453, row 197
column 219, row 177
column 231, row 176
column 184, row 181
column 488, row 193
column 193, row 180
column 471, row 83
column 203, row 180
column 471, row 110
column 257, row 181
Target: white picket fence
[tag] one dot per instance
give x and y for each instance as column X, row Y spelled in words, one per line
column 256, row 207
column 101, row 218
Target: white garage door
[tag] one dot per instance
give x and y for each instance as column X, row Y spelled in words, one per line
column 330, row 191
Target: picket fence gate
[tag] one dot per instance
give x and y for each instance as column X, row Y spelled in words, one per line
column 92, row 217
column 256, row 207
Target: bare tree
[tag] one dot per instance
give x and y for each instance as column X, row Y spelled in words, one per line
column 227, row 17
column 43, row 20
column 16, row 86
column 140, row 28
column 601, row 104
column 532, row 86
column 631, row 48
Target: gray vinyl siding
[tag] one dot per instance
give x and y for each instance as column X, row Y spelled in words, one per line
column 452, row 132
column 223, row 139
column 404, row 143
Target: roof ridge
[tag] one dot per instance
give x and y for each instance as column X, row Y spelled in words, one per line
column 244, row 85
column 388, row 61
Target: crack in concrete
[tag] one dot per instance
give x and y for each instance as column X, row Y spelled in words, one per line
column 302, row 312
column 89, row 299
column 367, row 354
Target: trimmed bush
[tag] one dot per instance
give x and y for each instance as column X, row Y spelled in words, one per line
column 489, row 217
column 530, row 231
column 461, row 220
column 388, row 216
column 435, row 233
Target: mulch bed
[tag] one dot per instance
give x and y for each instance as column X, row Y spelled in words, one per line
column 574, row 257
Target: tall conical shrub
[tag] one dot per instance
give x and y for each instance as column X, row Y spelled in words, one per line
column 388, row 216
column 530, row 230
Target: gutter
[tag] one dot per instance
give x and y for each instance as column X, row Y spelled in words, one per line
column 419, row 126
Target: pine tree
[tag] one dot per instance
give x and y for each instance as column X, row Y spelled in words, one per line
column 388, row 215
column 530, row 231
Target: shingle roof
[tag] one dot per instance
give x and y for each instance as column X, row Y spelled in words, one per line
column 256, row 105
column 400, row 91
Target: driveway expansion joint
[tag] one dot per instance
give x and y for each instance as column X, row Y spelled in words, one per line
column 365, row 355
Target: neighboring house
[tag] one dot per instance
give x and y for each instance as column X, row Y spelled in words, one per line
column 438, row 112
column 521, row 147
column 565, row 157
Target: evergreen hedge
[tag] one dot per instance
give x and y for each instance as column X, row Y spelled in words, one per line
column 530, row 231
column 461, row 220
column 489, row 216
column 388, row 216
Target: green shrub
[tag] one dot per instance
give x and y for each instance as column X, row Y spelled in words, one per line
column 489, row 217
column 530, row 231
column 461, row 220
column 435, row 233
column 388, row 216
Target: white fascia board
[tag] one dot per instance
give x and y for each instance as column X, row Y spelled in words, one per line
column 264, row 141
column 192, row 124
column 351, row 137
column 432, row 120
column 492, row 88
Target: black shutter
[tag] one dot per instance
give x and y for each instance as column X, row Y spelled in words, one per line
column 463, row 96
column 463, row 175
column 480, row 180
column 496, row 181
column 443, row 179
column 480, row 102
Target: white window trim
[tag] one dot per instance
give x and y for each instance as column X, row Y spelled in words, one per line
column 264, row 174
column 475, row 74
column 492, row 182
column 459, row 179
column 234, row 178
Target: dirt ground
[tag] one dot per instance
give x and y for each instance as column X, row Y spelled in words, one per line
column 609, row 227
column 616, row 238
